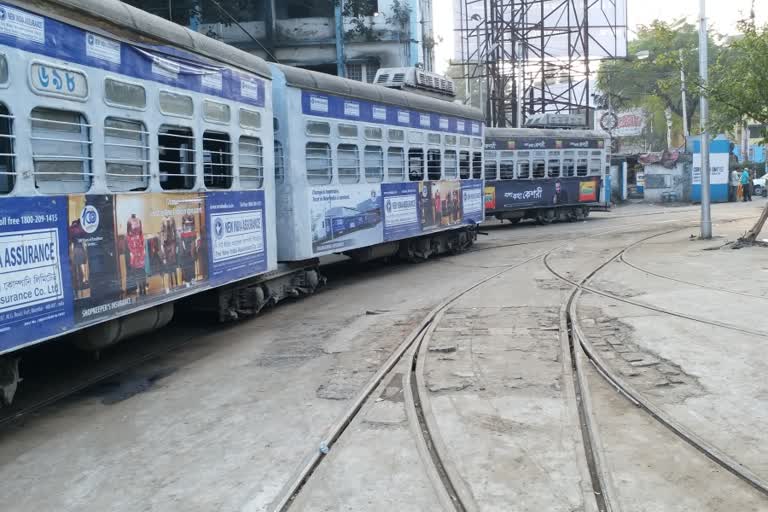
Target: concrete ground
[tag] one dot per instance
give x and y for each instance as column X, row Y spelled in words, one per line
column 242, row 408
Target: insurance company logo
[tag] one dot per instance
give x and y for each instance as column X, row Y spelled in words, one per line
column 219, row 228
column 2, row 14
column 388, row 206
column 89, row 219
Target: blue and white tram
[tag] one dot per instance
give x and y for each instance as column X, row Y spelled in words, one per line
column 136, row 167
column 544, row 174
column 371, row 172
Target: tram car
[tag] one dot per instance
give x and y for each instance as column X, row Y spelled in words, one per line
column 142, row 163
column 372, row 172
column 544, row 174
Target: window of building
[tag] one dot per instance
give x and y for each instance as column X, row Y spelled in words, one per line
column 216, row 112
column 371, row 68
column 464, row 171
column 7, row 155
column 318, row 128
column 176, row 147
column 396, row 135
column 61, row 151
column 355, row 72
column 433, row 138
column 507, row 165
column 451, row 167
column 395, row 164
column 291, row 9
column 415, row 164
column 173, row 104
column 319, row 163
column 433, row 164
column 126, row 154
column 373, row 133
column 553, row 167
column 374, row 164
column 349, row 163
column 348, row 131
column 217, row 160
column 477, row 165
column 124, row 94
column 252, row 119
column 251, row 154
column 569, row 169
column 523, row 165
column 415, row 137
column 279, row 163
column 581, row 164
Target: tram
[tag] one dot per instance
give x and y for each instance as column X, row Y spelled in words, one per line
column 544, row 174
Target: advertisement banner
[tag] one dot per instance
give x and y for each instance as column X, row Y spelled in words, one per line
column 472, row 201
column 35, row 295
column 345, row 219
column 440, row 204
column 512, row 194
column 401, row 210
column 238, row 240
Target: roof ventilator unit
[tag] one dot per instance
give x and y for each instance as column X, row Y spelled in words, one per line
column 418, row 81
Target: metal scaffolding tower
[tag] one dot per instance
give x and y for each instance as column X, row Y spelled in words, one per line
column 536, row 56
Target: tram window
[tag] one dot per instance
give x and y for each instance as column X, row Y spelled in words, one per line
column 595, row 165
column 176, row 147
column 569, row 170
column 415, row 164
column 217, row 160
column 349, row 163
column 275, row 122
column 553, row 168
column 477, row 166
column 61, row 151
column 347, row 130
column 450, row 140
column 477, row 143
column 318, row 128
column 395, row 164
column 252, row 119
column 251, row 157
column 433, row 138
column 279, row 163
column 581, row 164
column 216, row 112
column 126, row 154
column 3, row 69
column 7, row 162
column 176, row 104
column 507, row 166
column 124, row 94
column 415, row 137
column 539, row 168
column 396, row 136
column 374, row 164
column 464, row 141
column 451, row 171
column 491, row 171
column 523, row 166
column 319, row 163
column 372, row 133
column 464, row 171
column 433, row 164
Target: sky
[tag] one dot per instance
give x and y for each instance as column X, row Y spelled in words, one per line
column 722, row 14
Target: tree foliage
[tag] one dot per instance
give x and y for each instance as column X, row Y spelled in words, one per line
column 739, row 92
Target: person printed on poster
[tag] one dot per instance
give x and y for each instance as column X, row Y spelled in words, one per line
column 79, row 255
column 169, row 248
column 136, row 275
column 438, row 207
column 188, row 249
column 561, row 194
column 427, row 208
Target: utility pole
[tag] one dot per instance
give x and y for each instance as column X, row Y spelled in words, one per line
column 341, row 69
column 683, row 91
column 706, row 214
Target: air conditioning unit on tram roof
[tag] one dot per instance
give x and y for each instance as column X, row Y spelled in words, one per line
column 417, row 80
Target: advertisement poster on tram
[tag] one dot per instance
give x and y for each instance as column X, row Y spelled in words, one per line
column 401, row 210
column 237, row 245
column 472, row 201
column 35, row 296
column 345, row 219
column 504, row 195
column 440, row 204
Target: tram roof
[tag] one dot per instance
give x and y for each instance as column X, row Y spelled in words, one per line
column 122, row 20
column 543, row 132
column 330, row 84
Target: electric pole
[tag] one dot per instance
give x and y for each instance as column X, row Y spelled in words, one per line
column 706, row 214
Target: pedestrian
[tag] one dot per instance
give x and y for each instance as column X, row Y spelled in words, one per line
column 734, row 188
column 745, row 185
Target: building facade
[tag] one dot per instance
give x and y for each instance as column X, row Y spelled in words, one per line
column 315, row 34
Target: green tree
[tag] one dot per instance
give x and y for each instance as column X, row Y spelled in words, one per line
column 654, row 81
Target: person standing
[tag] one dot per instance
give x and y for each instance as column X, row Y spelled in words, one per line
column 745, row 185
column 734, row 188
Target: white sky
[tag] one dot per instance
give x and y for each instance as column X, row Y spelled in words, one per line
column 722, row 14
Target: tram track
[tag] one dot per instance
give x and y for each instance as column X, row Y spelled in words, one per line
column 580, row 342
